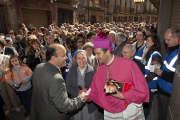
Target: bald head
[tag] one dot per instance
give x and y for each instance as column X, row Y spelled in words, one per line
column 171, row 37
column 53, row 51
column 128, row 51
column 57, row 46
column 56, row 55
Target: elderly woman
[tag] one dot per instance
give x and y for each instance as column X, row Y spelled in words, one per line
column 88, row 47
column 79, row 80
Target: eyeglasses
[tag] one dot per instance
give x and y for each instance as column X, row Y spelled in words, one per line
column 125, row 52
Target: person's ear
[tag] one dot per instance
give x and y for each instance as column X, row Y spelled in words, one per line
column 108, row 52
column 53, row 58
column 177, row 40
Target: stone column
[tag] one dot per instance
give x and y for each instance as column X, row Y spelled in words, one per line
column 164, row 21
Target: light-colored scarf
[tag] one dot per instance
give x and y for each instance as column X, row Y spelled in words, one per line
column 143, row 61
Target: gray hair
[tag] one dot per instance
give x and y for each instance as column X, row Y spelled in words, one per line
column 19, row 37
column 120, row 37
column 74, row 63
column 78, row 51
column 174, row 32
column 43, row 49
column 132, row 47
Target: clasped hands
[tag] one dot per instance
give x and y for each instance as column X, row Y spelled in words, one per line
column 83, row 94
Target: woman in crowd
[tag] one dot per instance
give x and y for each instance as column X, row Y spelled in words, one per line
column 43, row 54
column 70, row 51
column 34, row 31
column 18, row 77
column 88, row 47
column 69, row 35
column 28, row 43
column 79, row 80
column 76, row 34
column 79, row 43
column 33, row 56
column 151, row 56
column 9, row 45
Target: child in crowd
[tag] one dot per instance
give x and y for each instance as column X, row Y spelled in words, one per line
column 18, row 76
column 49, row 38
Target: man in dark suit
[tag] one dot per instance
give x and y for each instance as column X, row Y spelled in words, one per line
column 120, row 38
column 128, row 52
column 50, row 100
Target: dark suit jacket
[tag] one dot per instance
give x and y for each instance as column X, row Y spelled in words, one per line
column 72, row 83
column 50, row 99
column 140, row 65
column 118, row 49
column 18, row 49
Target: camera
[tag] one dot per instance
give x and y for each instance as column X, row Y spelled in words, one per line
column 16, row 86
column 37, row 51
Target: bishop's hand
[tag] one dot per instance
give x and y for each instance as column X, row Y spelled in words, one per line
column 118, row 95
column 84, row 96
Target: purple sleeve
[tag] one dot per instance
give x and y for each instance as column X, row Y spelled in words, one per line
column 139, row 92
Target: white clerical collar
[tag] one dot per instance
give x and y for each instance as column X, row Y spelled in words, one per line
column 111, row 60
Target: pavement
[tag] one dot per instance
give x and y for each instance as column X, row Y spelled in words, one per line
column 13, row 115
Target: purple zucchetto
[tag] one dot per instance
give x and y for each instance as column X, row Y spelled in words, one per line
column 102, row 40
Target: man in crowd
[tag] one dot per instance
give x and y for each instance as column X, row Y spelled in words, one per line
column 128, row 52
column 125, row 105
column 140, row 44
column 166, row 73
column 120, row 39
column 91, row 36
column 50, row 99
column 132, row 32
column 112, row 36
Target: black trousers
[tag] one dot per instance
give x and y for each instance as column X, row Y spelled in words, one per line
column 2, row 114
column 163, row 102
column 147, row 106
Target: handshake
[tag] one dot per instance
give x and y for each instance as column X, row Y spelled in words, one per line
column 84, row 96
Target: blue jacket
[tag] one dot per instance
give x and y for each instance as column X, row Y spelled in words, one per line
column 138, row 54
column 68, row 62
column 169, row 65
column 153, row 83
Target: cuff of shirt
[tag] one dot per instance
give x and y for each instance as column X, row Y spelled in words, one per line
column 27, row 78
column 128, row 101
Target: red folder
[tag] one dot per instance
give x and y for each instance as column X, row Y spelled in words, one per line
column 126, row 87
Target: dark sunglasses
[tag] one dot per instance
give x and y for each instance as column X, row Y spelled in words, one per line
column 79, row 41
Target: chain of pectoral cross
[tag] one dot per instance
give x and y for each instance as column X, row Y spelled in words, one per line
column 110, row 69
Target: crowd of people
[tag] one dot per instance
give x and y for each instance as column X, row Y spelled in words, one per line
column 60, row 72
